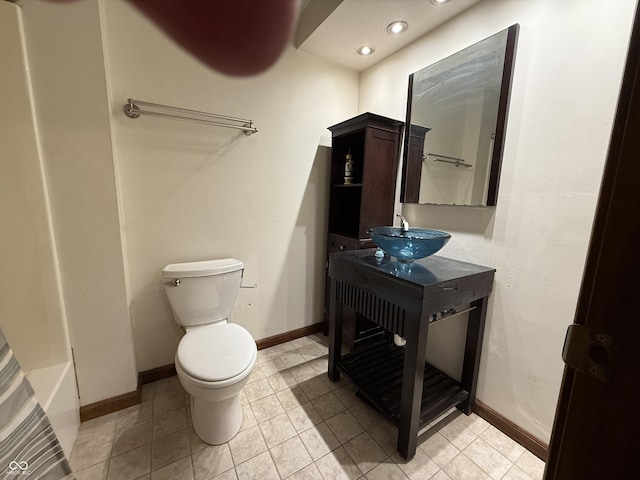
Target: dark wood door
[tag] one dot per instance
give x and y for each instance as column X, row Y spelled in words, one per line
column 596, row 430
column 379, row 179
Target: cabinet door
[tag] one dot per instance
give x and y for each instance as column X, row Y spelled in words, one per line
column 379, row 179
column 340, row 243
column 356, row 329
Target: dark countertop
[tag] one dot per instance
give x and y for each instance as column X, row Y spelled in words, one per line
column 423, row 272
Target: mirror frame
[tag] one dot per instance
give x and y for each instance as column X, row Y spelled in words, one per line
column 412, row 163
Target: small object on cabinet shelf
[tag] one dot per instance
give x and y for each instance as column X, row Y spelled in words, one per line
column 348, row 169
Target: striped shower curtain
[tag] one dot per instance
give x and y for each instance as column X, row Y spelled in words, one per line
column 29, row 448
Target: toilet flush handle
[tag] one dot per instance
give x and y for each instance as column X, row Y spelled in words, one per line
column 173, row 283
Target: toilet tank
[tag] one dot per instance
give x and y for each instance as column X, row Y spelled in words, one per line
column 202, row 292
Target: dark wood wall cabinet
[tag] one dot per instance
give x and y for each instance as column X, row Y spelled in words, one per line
column 412, row 171
column 363, row 200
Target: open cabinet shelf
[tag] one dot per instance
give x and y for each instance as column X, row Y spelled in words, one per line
column 377, row 372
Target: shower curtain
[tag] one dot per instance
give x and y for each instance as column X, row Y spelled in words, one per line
column 29, row 448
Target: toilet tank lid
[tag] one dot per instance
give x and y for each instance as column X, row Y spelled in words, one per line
column 202, row 269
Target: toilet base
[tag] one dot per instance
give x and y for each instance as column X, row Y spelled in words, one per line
column 216, row 422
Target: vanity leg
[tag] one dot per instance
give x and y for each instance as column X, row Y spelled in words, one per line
column 412, row 382
column 472, row 350
column 335, row 332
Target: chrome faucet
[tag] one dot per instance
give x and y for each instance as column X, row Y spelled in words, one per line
column 403, row 223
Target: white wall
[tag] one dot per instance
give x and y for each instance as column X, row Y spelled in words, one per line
column 567, row 76
column 31, row 309
column 193, row 192
column 66, row 59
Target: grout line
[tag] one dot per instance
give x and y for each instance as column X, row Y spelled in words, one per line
column 280, row 352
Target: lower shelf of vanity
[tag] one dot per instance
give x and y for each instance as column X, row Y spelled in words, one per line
column 377, row 373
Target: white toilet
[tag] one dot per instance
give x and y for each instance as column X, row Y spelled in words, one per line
column 215, row 357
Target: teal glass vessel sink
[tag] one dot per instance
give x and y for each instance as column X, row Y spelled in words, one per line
column 410, row 245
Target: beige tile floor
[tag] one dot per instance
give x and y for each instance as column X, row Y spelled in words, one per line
column 297, row 425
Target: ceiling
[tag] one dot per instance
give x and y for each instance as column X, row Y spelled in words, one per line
column 334, row 29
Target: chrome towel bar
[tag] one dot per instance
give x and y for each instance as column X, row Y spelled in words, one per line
column 135, row 108
column 458, row 162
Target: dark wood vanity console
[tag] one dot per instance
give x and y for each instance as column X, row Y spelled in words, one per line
column 403, row 298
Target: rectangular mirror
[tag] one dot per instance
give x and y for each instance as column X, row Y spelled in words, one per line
column 456, row 121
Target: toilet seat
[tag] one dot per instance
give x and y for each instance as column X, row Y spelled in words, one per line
column 216, row 353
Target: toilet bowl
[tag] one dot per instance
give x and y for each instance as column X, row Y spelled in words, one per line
column 215, row 357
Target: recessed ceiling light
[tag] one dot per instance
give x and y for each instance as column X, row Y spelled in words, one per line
column 397, row 27
column 439, row 2
column 365, row 50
